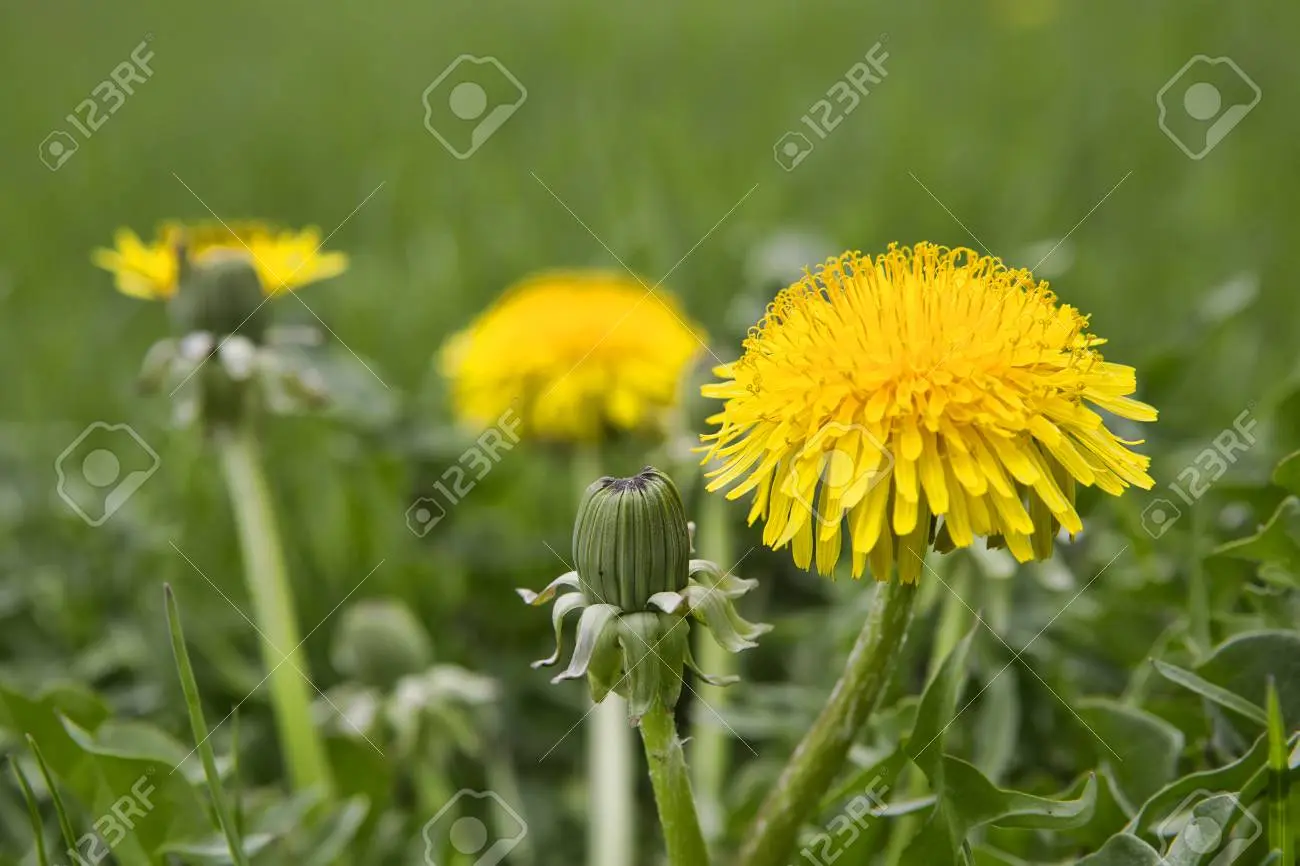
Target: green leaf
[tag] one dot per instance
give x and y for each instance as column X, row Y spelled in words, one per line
column 1287, row 473
column 1210, row 691
column 1277, row 542
column 1235, row 776
column 997, row 725
column 978, row 801
column 938, row 710
column 1123, row 850
column 1146, row 747
column 130, row 784
column 1244, row 664
column 40, row 715
column 968, row 800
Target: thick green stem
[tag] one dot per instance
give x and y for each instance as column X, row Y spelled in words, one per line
column 709, row 737
column 672, row 784
column 274, row 612
column 611, row 771
column 813, row 766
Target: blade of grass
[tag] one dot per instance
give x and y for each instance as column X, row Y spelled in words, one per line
column 33, row 812
column 1280, row 833
column 1207, row 689
column 65, row 823
column 237, row 788
column 191, row 689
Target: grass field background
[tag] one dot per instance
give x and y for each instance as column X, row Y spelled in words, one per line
column 1003, row 125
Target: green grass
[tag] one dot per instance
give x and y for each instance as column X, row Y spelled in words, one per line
column 1026, row 121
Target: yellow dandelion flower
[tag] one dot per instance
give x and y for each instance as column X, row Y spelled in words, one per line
column 574, row 355
column 923, row 382
column 285, row 260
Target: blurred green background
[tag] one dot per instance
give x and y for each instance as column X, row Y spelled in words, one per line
column 1008, row 123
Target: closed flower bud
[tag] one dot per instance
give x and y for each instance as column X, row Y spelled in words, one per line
column 631, row 541
column 638, row 591
column 221, row 295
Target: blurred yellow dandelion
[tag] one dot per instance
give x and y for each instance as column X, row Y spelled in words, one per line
column 575, row 354
column 285, row 260
column 921, row 382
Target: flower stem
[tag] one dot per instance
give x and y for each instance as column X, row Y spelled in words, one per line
column 273, row 609
column 668, row 775
column 611, row 774
column 709, row 742
column 811, row 769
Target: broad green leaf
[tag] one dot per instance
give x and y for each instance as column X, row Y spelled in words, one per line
column 1206, row 689
column 39, row 714
column 978, row 801
column 1123, row 850
column 1235, row 776
column 968, row 800
column 1245, row 663
column 1277, row 541
column 1287, row 473
column 1140, row 749
column 129, row 782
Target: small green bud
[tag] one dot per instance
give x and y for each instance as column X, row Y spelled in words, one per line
column 222, row 295
column 631, row 541
column 638, row 591
column 380, row 641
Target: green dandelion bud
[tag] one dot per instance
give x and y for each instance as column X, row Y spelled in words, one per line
column 222, row 295
column 638, row 591
column 630, row 539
